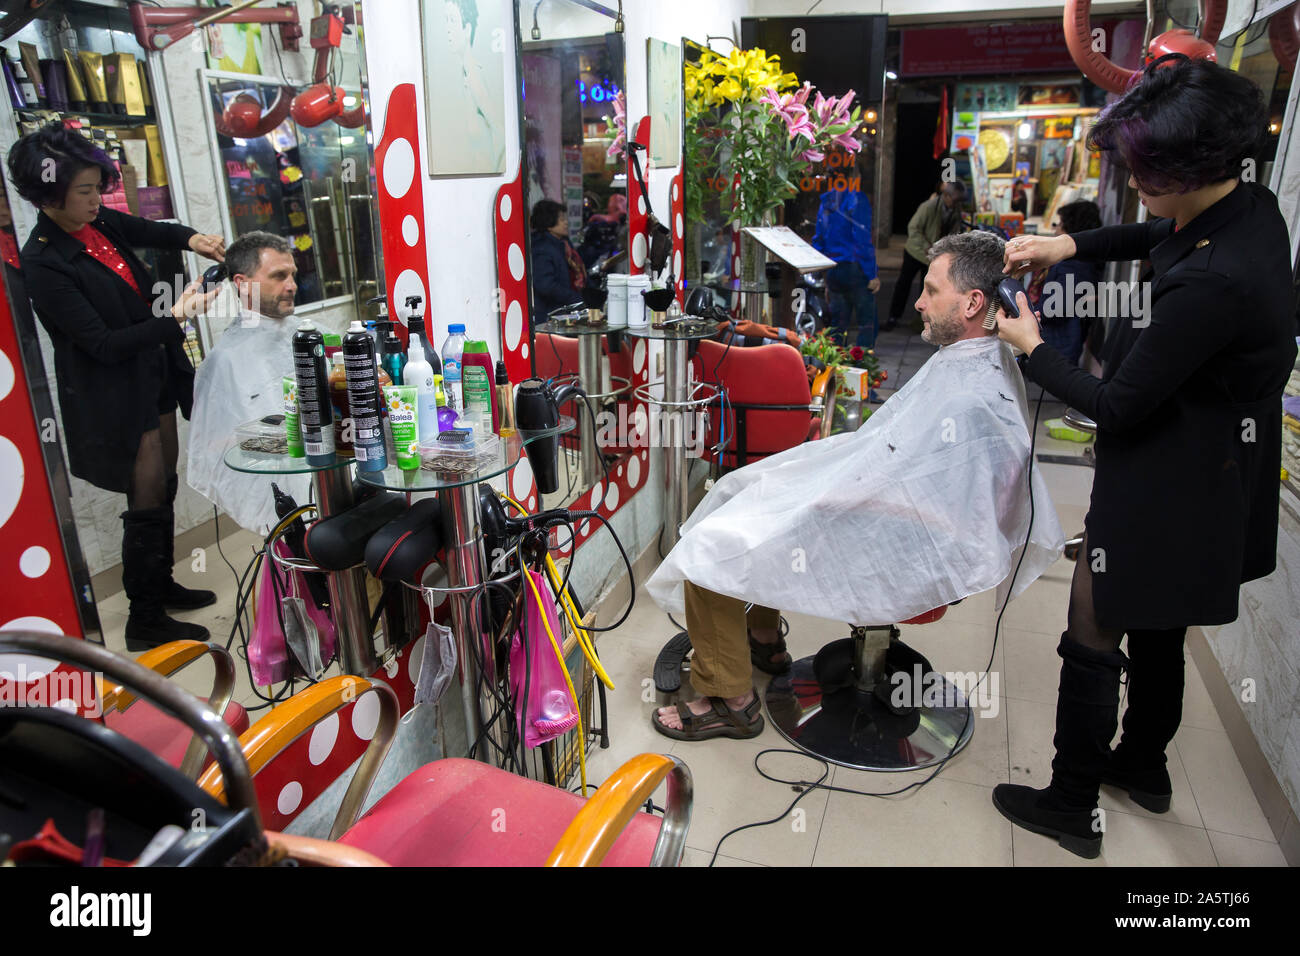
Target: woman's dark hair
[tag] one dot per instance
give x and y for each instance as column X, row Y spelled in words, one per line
column 44, row 163
column 546, row 213
column 1184, row 126
column 1080, row 215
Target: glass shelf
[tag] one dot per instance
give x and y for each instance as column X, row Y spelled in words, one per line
column 267, row 463
column 691, row 328
column 509, row 451
column 577, row 328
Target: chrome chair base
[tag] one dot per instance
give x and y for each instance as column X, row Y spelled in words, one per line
column 852, row 727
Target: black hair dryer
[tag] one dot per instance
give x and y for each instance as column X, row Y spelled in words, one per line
column 537, row 407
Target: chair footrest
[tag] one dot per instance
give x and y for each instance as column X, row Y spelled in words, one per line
column 668, row 665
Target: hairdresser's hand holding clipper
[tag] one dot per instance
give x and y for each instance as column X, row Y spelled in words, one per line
column 119, row 356
column 1020, row 331
column 1184, row 502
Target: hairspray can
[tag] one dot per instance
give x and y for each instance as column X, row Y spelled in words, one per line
column 315, row 415
column 363, row 399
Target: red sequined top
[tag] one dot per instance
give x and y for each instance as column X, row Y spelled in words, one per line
column 98, row 245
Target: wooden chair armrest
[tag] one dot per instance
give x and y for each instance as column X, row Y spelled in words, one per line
column 269, row 737
column 165, row 660
column 599, row 823
column 309, row 851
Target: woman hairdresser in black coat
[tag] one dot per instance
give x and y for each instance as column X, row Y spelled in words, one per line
column 119, row 357
column 1185, row 496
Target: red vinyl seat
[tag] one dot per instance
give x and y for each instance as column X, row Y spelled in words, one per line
column 755, row 377
column 438, row 816
column 163, row 735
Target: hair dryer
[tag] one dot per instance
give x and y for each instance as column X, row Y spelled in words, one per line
column 537, row 407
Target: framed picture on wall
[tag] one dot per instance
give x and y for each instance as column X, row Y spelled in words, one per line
column 1027, row 157
column 999, row 148
column 663, row 63
column 1052, row 154
column 464, row 86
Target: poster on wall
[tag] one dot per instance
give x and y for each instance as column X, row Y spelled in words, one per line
column 664, row 84
column 233, row 47
column 965, row 131
column 1049, row 94
column 464, row 88
column 986, row 97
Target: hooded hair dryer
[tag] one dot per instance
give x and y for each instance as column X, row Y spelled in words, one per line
column 537, row 407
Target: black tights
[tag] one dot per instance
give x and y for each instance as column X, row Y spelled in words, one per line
column 155, row 465
column 1084, row 629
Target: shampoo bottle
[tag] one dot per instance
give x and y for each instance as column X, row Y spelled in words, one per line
column 419, row 373
column 476, row 380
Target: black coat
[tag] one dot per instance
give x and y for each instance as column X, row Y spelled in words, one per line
column 112, row 354
column 552, row 283
column 1189, row 414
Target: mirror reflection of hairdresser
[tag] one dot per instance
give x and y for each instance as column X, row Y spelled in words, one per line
column 240, row 381
column 1189, row 414
column 119, row 357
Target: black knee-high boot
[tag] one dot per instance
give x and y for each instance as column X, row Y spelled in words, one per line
column 146, row 567
column 1087, row 708
column 175, row 596
column 1152, row 717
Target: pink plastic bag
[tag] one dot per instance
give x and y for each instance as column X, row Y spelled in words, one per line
column 268, row 656
column 550, row 708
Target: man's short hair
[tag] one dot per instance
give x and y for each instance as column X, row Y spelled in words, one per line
column 977, row 261
column 244, row 255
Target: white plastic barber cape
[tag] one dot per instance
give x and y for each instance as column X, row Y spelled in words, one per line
column 925, row 504
column 239, row 381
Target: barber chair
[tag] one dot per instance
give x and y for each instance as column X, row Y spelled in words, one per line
column 769, row 404
column 840, row 703
column 1076, row 419
column 454, row 812
column 450, row 812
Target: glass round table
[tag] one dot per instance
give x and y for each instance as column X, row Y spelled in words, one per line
column 462, row 535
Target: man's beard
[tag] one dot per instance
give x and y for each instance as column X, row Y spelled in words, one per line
column 943, row 330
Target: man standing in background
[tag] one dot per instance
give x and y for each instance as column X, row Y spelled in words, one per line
column 938, row 216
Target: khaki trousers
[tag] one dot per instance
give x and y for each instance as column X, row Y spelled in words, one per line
column 718, row 626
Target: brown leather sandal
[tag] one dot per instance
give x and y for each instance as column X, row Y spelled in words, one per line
column 721, row 721
column 760, row 655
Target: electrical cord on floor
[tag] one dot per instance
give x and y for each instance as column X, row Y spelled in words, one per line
column 216, row 533
column 820, row 784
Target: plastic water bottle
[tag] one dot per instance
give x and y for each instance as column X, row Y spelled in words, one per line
column 452, row 350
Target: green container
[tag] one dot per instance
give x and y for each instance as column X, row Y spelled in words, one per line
column 403, row 419
column 292, row 429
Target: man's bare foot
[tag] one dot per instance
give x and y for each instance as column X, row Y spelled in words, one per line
column 671, row 719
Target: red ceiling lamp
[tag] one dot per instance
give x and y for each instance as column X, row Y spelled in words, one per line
column 323, row 101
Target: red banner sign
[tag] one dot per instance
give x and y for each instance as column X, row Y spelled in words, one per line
column 1037, row 47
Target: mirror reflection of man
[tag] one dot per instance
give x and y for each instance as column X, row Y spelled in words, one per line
column 241, row 379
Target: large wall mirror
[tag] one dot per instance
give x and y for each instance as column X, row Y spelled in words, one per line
column 572, row 106
column 312, row 185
